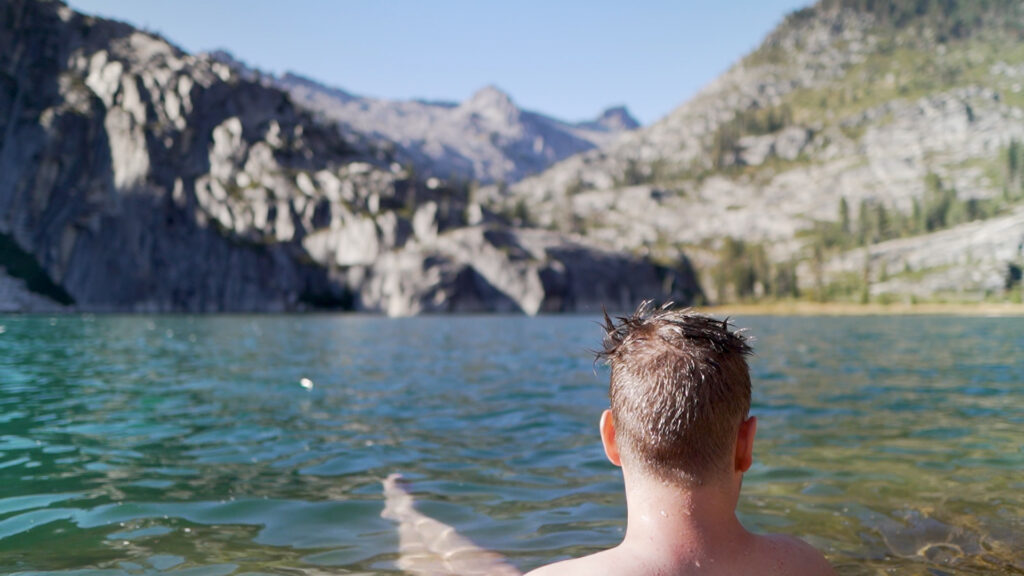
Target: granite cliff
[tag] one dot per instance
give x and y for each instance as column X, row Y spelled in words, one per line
column 136, row 177
column 863, row 151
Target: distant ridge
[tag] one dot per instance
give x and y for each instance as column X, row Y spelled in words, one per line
column 614, row 119
column 487, row 138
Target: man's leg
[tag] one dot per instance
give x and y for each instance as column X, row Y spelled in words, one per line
column 430, row 548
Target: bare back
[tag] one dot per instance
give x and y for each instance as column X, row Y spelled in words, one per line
column 771, row 555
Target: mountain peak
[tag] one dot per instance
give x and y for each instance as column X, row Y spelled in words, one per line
column 490, row 97
column 617, row 118
column 613, row 120
column 494, row 104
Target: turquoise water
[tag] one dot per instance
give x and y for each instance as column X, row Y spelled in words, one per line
column 186, row 445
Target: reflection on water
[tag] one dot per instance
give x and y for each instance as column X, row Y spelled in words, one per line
column 190, row 446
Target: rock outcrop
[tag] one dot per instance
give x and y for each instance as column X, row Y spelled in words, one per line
column 844, row 111
column 136, row 177
column 16, row 297
column 517, row 270
column 976, row 260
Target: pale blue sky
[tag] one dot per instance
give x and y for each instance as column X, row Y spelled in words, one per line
column 566, row 58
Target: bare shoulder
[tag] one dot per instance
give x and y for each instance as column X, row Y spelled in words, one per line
column 772, row 555
column 793, row 556
column 601, row 563
column 560, row 568
column 550, row 569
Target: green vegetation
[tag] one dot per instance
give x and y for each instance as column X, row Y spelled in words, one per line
column 1015, row 281
column 920, row 47
column 575, row 187
column 846, row 287
column 950, row 19
column 658, row 172
column 1013, row 174
column 895, row 72
column 755, row 122
column 724, row 153
column 940, row 208
column 521, row 213
column 917, row 22
column 633, row 174
column 470, row 190
column 745, row 272
column 412, row 182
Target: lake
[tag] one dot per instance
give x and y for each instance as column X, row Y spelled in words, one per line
column 187, row 445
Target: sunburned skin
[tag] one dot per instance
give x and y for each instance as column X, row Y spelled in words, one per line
column 428, row 547
column 675, row 530
column 670, row 531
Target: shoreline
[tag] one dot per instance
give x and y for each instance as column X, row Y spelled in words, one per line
column 785, row 308
column 981, row 309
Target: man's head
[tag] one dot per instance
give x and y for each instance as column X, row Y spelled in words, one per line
column 680, row 391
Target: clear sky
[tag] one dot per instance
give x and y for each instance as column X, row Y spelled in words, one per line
column 566, row 58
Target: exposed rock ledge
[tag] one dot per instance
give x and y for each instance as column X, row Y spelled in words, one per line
column 970, row 262
column 516, row 270
column 15, row 297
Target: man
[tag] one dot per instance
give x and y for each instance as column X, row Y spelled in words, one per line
column 679, row 429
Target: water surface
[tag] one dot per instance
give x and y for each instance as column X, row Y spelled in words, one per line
column 187, row 446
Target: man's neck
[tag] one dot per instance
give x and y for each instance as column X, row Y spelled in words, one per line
column 677, row 523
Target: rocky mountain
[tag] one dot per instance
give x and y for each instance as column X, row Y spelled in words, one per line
column 614, row 119
column 487, row 138
column 866, row 150
column 137, row 177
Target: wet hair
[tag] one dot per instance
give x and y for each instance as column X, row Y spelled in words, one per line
column 680, row 388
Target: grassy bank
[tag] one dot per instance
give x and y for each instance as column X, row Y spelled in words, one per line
column 852, row 309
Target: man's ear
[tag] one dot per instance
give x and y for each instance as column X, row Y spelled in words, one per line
column 745, row 444
column 611, row 448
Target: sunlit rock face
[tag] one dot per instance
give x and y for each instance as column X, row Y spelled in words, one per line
column 136, row 177
column 837, row 107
